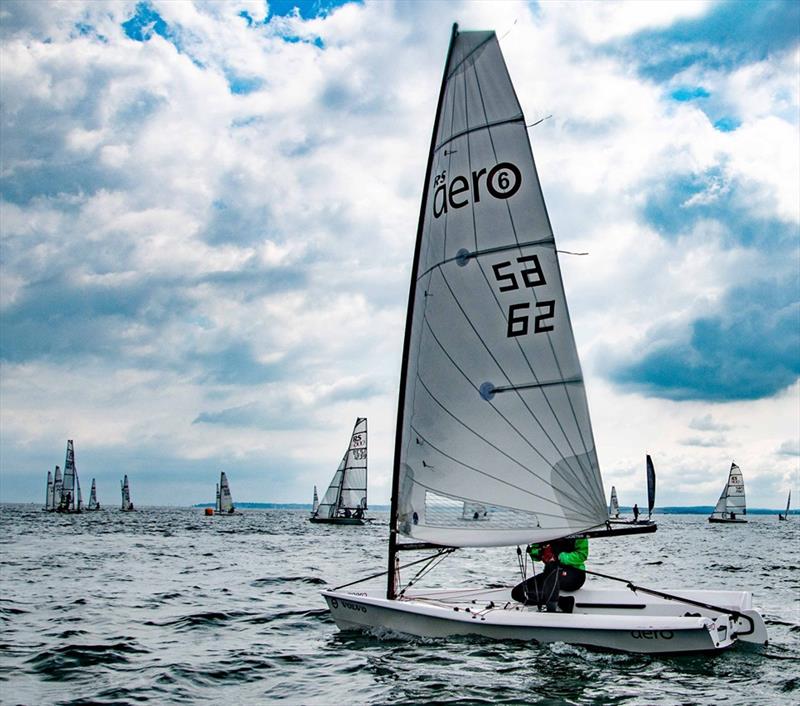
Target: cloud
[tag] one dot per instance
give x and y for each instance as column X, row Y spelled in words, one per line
column 208, row 214
column 708, row 423
column 789, row 448
column 717, row 441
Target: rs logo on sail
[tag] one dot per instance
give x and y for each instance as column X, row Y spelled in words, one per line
column 501, row 182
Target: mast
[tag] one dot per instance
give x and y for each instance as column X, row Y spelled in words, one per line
column 398, row 442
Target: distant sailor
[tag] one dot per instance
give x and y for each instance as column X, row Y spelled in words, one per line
column 635, row 512
column 564, row 570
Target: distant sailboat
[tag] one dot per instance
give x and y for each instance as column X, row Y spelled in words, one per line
column 346, row 498
column 731, row 506
column 58, row 484
column 315, row 504
column 79, row 504
column 651, row 492
column 49, row 496
column 70, row 489
column 785, row 515
column 127, row 505
column 93, row 504
column 613, row 505
column 224, row 499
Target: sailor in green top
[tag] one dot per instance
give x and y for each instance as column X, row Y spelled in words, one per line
column 564, row 566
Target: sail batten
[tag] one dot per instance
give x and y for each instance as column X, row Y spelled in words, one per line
column 490, row 371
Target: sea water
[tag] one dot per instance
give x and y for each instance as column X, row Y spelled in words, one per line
column 165, row 605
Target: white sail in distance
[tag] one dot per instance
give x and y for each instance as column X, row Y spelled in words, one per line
column 127, row 505
column 731, row 503
column 613, row 505
column 225, row 504
column 493, row 407
column 68, row 488
column 58, row 484
column 93, row 504
column 48, row 495
column 348, row 488
column 315, row 503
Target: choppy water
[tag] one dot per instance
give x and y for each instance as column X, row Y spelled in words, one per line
column 168, row 606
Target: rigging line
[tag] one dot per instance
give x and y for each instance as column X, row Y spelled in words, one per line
column 519, row 395
column 467, row 56
column 499, row 480
column 487, row 251
column 467, row 130
column 383, row 573
column 434, row 561
column 578, row 500
column 516, row 237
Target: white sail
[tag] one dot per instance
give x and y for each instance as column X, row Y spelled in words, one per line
column 58, row 485
column 127, row 505
column 79, row 501
column 613, row 506
column 68, row 488
column 48, row 495
column 348, row 488
column 731, row 503
column 493, row 408
column 315, row 503
column 225, row 501
column 93, row 504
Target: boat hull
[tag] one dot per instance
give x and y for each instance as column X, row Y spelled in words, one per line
column 336, row 520
column 727, row 522
column 608, row 620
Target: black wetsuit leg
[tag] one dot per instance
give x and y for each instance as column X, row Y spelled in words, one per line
column 541, row 589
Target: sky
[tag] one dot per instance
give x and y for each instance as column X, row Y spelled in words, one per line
column 208, row 213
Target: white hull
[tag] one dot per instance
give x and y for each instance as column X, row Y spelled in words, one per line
column 617, row 620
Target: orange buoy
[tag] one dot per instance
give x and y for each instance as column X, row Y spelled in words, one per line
column 209, row 511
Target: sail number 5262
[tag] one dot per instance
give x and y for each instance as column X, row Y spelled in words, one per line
column 519, row 315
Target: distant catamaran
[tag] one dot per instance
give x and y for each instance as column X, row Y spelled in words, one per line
column 346, row 498
column 127, row 505
column 69, row 499
column 93, row 504
column 785, row 515
column 731, row 506
column 224, row 504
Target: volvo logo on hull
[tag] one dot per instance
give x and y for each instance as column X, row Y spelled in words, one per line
column 501, row 182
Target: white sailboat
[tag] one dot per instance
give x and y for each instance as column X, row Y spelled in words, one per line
column 127, row 505
column 731, row 506
column 613, row 505
column 492, row 407
column 58, row 484
column 93, row 504
column 315, row 503
column 785, row 515
column 49, row 497
column 70, row 489
column 224, row 504
column 345, row 500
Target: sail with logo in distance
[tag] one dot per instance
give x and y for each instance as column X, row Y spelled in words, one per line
column 731, row 506
column 348, row 489
column 224, row 498
column 613, row 505
column 493, row 408
column 68, row 489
